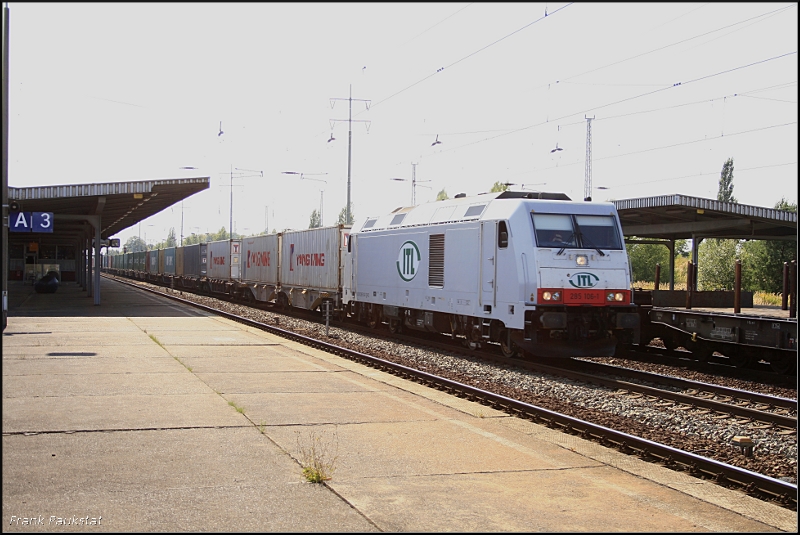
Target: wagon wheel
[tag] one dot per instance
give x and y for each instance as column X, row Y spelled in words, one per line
column 507, row 346
column 701, row 351
column 395, row 326
column 373, row 321
column 740, row 358
column 249, row 298
column 783, row 366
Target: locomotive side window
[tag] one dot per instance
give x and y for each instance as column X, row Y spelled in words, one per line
column 396, row 220
column 475, row 210
column 502, row 235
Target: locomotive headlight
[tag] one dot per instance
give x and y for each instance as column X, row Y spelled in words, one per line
column 615, row 296
column 582, row 260
column 551, row 296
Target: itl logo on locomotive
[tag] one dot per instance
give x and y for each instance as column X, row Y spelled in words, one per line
column 584, row 280
column 408, row 261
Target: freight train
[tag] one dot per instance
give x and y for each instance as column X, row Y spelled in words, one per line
column 533, row 272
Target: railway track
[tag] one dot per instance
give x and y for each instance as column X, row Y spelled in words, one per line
column 716, row 365
column 752, row 482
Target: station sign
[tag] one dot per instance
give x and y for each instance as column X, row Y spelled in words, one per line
column 30, row 221
column 111, row 242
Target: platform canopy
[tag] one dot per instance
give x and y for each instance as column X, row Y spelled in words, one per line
column 674, row 217
column 119, row 205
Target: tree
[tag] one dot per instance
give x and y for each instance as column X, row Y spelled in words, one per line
column 499, row 187
column 716, row 261
column 442, row 196
column 725, row 192
column 717, row 258
column 220, row 235
column 762, row 261
column 171, row 240
column 314, row 222
column 135, row 244
column 343, row 216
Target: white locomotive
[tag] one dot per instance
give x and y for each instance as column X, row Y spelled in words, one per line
column 532, row 271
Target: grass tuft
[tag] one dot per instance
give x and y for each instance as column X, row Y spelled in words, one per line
column 239, row 409
column 318, row 455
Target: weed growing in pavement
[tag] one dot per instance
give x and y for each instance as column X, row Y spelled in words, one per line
column 261, row 426
column 239, row 409
column 154, row 339
column 318, row 455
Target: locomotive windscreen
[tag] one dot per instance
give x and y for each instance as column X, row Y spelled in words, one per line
column 576, row 231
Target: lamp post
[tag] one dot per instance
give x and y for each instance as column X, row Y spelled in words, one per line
column 414, row 183
column 321, row 191
column 187, row 167
column 260, row 174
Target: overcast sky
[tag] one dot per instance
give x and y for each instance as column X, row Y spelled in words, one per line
column 125, row 91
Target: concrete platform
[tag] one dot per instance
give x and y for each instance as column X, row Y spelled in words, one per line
column 144, row 415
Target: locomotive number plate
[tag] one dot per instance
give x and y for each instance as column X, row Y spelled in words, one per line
column 584, row 296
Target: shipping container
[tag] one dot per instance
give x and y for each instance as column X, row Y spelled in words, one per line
column 224, row 259
column 152, row 262
column 259, row 266
column 311, row 265
column 139, row 259
column 161, row 261
column 195, row 260
column 179, row 261
column 169, row 261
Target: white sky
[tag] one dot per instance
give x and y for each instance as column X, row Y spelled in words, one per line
column 123, row 91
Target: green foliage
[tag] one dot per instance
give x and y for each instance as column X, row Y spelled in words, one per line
column 220, row 235
column 716, row 260
column 442, row 196
column 318, row 455
column 762, row 261
column 644, row 257
column 314, row 221
column 343, row 216
column 171, row 240
column 135, row 244
column 725, row 192
column 498, row 187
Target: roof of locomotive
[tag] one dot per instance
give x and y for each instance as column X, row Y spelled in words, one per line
column 464, row 208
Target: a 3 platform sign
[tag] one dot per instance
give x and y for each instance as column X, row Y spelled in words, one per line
column 30, row 221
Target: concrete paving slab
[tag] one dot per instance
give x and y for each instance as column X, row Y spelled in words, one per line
column 81, row 413
column 184, row 324
column 280, row 381
column 72, row 339
column 555, row 501
column 256, row 359
column 163, row 383
column 422, row 448
column 85, row 363
column 169, row 480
